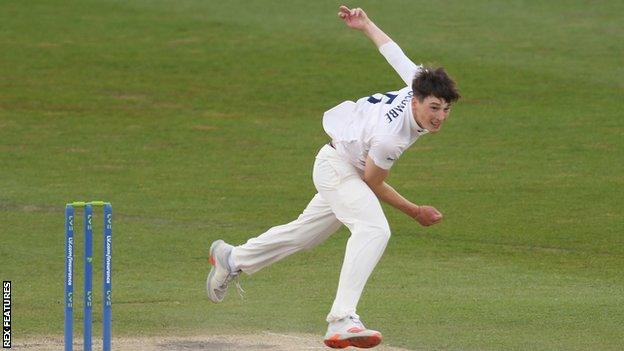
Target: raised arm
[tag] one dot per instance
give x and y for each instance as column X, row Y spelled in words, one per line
column 357, row 19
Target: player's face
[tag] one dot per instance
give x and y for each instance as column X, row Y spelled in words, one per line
column 431, row 112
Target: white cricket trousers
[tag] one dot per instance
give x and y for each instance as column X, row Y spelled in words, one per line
column 342, row 198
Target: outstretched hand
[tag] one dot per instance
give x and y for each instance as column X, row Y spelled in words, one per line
column 427, row 215
column 354, row 18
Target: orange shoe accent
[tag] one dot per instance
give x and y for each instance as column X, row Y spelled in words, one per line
column 211, row 260
column 363, row 342
column 335, row 343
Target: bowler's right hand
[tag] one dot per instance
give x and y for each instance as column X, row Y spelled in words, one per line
column 354, row 18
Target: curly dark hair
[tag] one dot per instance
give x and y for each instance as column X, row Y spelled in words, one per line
column 434, row 81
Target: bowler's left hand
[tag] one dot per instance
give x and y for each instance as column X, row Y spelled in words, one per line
column 427, row 215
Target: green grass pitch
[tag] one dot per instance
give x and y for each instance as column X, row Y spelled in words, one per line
column 200, row 120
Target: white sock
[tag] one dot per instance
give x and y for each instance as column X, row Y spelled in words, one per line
column 231, row 263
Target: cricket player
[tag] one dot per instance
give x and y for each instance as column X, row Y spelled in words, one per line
column 367, row 137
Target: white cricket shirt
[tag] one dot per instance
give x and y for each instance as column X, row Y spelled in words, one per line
column 381, row 126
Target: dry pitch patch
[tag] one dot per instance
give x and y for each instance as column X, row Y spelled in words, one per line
column 252, row 342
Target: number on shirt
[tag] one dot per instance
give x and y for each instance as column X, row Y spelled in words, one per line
column 373, row 100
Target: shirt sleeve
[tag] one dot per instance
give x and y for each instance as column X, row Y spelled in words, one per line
column 401, row 63
column 384, row 152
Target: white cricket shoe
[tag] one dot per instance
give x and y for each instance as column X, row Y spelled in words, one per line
column 350, row 331
column 220, row 274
